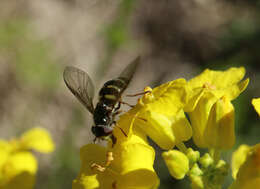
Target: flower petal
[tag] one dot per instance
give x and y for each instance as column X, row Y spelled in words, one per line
column 38, row 139
column 124, row 129
column 168, row 98
column 88, row 178
column 256, row 104
column 162, row 117
column 132, row 167
column 235, row 90
column 219, row 132
column 19, row 171
column 5, row 150
column 135, row 164
column 238, row 158
column 218, row 79
column 166, row 131
column 199, row 118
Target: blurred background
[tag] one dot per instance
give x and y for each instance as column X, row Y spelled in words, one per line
column 174, row 38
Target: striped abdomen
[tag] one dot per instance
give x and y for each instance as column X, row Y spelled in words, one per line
column 112, row 91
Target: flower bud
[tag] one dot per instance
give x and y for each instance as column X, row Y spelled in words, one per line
column 177, row 163
column 196, row 177
column 193, row 156
column 206, row 160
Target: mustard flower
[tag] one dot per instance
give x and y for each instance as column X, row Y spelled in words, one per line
column 159, row 113
column 131, row 166
column 210, row 87
column 18, row 166
column 246, row 167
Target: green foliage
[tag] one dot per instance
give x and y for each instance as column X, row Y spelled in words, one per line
column 30, row 56
column 116, row 34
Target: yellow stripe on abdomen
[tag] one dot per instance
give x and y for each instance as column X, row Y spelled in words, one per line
column 110, row 97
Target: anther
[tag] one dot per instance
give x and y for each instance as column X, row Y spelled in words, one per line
column 109, row 159
column 208, row 85
column 100, row 168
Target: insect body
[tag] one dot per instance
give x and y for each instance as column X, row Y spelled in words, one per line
column 81, row 85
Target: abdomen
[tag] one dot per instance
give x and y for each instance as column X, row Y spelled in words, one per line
column 111, row 92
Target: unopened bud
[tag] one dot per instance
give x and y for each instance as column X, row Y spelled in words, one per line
column 177, row 163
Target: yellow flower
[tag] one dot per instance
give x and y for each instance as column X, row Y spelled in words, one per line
column 131, row 168
column 210, row 86
column 159, row 114
column 247, row 161
column 18, row 166
column 256, row 104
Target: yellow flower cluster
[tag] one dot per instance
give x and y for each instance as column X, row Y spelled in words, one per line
column 161, row 115
column 18, row 166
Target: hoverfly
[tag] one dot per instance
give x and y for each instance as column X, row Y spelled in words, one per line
column 81, row 85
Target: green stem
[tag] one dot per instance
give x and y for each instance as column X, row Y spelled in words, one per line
column 182, row 147
column 215, row 154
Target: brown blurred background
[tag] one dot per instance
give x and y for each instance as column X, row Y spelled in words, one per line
column 175, row 38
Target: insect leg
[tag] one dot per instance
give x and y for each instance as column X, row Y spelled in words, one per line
column 113, row 138
column 118, row 106
column 115, row 114
column 115, row 125
column 114, row 185
column 138, row 94
column 127, row 104
column 142, row 119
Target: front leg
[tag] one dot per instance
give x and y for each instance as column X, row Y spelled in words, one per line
column 116, row 111
column 118, row 106
column 115, row 125
column 113, row 139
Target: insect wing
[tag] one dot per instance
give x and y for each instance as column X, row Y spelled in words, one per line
column 81, row 85
column 129, row 71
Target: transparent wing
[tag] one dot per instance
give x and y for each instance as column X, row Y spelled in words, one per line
column 81, row 85
column 129, row 71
